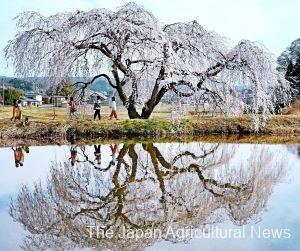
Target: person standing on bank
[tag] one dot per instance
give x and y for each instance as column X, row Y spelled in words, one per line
column 72, row 105
column 113, row 108
column 15, row 115
column 97, row 108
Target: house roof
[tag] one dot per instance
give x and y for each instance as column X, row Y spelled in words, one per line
column 32, row 94
column 29, row 100
column 100, row 94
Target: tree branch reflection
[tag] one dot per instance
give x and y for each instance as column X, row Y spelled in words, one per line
column 151, row 186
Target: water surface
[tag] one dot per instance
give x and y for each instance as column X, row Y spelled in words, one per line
column 153, row 196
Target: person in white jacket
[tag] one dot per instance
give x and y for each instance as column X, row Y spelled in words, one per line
column 113, row 108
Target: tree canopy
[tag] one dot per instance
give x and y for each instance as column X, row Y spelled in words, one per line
column 63, row 88
column 11, row 94
column 144, row 61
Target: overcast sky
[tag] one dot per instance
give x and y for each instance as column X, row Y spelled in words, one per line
column 273, row 23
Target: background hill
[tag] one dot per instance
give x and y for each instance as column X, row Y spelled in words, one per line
column 41, row 84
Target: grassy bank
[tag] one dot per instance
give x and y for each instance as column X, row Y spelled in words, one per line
column 157, row 127
column 277, row 125
column 44, row 125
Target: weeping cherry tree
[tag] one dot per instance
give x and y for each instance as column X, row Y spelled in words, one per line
column 145, row 62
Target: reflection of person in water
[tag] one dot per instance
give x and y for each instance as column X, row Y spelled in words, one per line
column 73, row 158
column 114, row 150
column 97, row 154
column 73, row 151
column 18, row 155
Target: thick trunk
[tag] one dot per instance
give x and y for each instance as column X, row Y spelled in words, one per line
column 146, row 111
column 132, row 112
column 152, row 102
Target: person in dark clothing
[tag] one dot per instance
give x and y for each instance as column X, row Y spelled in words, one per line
column 97, row 108
column 72, row 106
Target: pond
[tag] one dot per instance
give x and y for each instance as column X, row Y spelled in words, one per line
column 150, row 196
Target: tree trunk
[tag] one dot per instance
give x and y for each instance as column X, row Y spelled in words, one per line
column 150, row 105
column 132, row 112
column 146, row 111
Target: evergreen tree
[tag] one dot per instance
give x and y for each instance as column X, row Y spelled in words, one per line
column 289, row 65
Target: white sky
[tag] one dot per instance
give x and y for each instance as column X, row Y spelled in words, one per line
column 273, row 23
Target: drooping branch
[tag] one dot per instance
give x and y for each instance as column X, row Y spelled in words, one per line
column 144, row 60
column 81, row 86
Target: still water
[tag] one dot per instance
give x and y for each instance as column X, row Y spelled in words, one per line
column 150, row 196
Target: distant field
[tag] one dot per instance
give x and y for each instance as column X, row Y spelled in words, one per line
column 47, row 112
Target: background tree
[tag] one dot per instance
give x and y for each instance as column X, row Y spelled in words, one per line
column 142, row 60
column 11, row 94
column 289, row 65
column 63, row 88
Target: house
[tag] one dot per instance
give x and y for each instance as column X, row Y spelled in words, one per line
column 32, row 98
column 46, row 99
column 29, row 101
column 92, row 97
column 59, row 101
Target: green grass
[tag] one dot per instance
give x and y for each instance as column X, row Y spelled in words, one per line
column 43, row 124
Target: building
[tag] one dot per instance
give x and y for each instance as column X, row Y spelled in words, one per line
column 92, row 97
column 32, row 98
column 59, row 101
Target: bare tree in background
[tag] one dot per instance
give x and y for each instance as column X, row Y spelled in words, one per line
column 143, row 60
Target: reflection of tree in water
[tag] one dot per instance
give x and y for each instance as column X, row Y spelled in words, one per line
column 150, row 187
column 295, row 149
